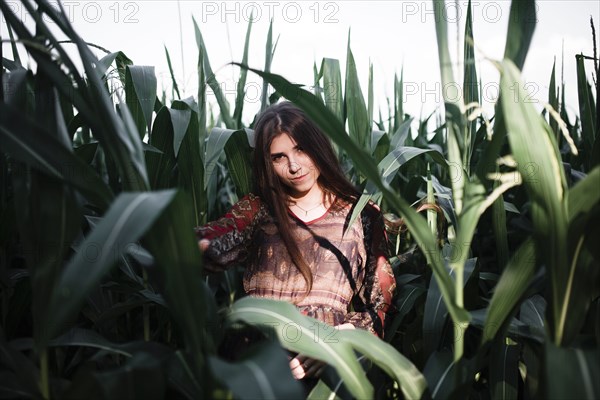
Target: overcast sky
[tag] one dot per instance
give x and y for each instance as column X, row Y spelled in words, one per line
column 393, row 35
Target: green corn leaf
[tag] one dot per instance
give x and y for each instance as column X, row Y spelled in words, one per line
column 470, row 86
column 203, row 108
column 78, row 337
column 476, row 203
column 521, row 25
column 173, row 80
column 441, row 29
column 532, row 311
column 388, row 168
column 53, row 223
column 399, row 100
column 583, row 196
column 20, row 375
column 514, row 328
column 212, row 80
column 15, row 89
column 116, row 132
column 239, row 160
column 370, row 98
column 324, row 391
column 140, row 92
column 587, row 107
column 128, row 218
column 579, row 376
column 189, row 160
column 401, row 369
column 446, row 377
column 316, row 86
column 86, row 152
column 435, row 313
column 306, row 336
column 117, row 135
column 30, row 143
column 122, row 62
column 317, row 340
column 105, row 62
column 400, row 135
column 172, row 243
column 356, row 109
column 504, row 370
column 401, row 155
column 10, row 65
column 453, row 104
column 160, row 166
column 332, row 86
column 180, row 120
column 500, row 231
column 264, row 374
column 539, row 163
column 439, row 371
column 380, row 145
column 139, row 377
column 404, row 301
column 269, row 52
column 553, row 101
column 13, row 46
column 583, row 208
column 241, row 93
column 217, row 139
column 510, row 288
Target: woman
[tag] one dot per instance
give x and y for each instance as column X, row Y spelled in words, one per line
column 291, row 235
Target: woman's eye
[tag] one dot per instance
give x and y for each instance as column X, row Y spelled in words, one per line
column 277, row 158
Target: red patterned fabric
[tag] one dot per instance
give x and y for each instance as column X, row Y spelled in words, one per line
column 352, row 278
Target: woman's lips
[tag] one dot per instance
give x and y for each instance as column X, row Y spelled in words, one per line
column 299, row 178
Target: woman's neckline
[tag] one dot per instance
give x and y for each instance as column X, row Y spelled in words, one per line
column 317, row 218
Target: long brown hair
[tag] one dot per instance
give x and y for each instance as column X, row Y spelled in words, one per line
column 281, row 118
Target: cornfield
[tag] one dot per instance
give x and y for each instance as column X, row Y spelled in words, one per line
column 494, row 226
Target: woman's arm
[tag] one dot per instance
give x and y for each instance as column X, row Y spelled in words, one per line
column 226, row 240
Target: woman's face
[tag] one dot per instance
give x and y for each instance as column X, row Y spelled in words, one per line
column 293, row 166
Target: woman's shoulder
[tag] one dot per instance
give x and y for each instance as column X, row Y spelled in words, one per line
column 370, row 210
column 250, row 203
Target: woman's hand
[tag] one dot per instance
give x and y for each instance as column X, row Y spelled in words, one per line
column 209, row 266
column 305, row 367
column 347, row 325
column 203, row 244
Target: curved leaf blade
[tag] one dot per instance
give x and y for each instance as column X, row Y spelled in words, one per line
column 306, row 336
column 25, row 141
column 140, row 91
column 265, row 374
column 128, row 218
column 510, row 288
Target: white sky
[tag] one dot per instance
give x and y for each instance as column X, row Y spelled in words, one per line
column 391, row 34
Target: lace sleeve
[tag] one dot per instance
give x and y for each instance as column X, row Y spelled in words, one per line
column 231, row 235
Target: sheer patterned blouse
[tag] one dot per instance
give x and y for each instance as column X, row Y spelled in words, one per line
column 352, row 278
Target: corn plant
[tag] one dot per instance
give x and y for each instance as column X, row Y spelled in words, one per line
column 498, row 288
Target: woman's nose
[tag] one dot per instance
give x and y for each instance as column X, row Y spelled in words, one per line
column 294, row 166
